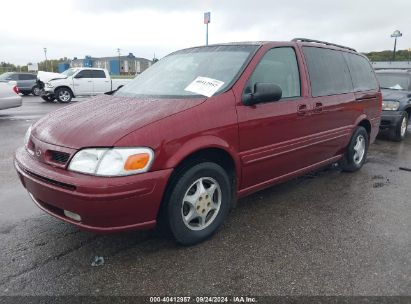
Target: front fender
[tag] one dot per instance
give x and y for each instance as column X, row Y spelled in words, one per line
column 202, row 143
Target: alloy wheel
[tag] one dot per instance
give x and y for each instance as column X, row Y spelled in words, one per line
column 359, row 149
column 36, row 91
column 64, row 95
column 201, row 203
column 403, row 126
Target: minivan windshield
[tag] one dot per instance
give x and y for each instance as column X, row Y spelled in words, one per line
column 186, row 73
column 69, row 72
column 394, row 82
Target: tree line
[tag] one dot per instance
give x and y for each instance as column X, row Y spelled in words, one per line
column 401, row 55
column 52, row 64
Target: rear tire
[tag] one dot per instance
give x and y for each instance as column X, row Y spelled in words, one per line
column 400, row 130
column 36, row 91
column 63, row 95
column 357, row 150
column 198, row 203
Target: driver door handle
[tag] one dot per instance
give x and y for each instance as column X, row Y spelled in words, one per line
column 318, row 107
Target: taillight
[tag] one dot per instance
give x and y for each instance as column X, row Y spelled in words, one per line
column 16, row 89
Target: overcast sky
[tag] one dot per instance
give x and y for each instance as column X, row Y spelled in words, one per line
column 70, row 28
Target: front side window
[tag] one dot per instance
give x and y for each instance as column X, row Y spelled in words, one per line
column 279, row 66
column 8, row 76
column 171, row 76
column 84, row 74
column 5, row 76
column 328, row 71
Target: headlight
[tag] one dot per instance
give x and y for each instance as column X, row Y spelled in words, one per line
column 49, row 85
column 112, row 161
column 27, row 136
column 388, row 105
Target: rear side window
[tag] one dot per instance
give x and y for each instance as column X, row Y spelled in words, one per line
column 279, row 66
column 328, row 71
column 98, row 74
column 27, row 77
column 362, row 73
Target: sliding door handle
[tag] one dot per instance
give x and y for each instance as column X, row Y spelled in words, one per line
column 302, row 109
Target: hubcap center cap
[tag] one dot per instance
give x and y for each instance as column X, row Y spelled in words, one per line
column 203, row 203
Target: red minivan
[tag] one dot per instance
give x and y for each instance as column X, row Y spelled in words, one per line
column 199, row 129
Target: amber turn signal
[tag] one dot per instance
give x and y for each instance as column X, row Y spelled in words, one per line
column 137, row 161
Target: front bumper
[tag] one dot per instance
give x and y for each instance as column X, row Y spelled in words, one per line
column 390, row 119
column 104, row 204
column 47, row 92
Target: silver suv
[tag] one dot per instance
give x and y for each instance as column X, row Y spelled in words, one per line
column 26, row 82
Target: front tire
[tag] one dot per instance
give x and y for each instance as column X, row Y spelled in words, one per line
column 400, row 130
column 198, row 203
column 63, row 95
column 357, row 150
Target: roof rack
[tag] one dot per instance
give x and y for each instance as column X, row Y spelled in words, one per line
column 323, row 42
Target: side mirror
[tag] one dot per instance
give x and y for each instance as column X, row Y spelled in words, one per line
column 263, row 92
column 78, row 76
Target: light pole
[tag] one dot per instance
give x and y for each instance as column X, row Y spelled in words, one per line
column 395, row 35
column 45, row 55
column 207, row 20
column 119, row 63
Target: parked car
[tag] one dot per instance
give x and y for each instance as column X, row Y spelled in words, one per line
column 26, row 82
column 199, row 129
column 76, row 82
column 9, row 95
column 396, row 104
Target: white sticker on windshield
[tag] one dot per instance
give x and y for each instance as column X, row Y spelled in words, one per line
column 204, row 86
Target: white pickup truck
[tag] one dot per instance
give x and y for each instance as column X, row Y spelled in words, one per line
column 76, row 82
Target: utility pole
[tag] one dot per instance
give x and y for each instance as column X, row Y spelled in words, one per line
column 119, row 62
column 395, row 35
column 207, row 20
column 45, row 55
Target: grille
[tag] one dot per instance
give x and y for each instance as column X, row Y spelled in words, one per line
column 59, row 157
column 50, row 181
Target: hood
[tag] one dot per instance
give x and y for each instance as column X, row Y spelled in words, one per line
column 398, row 95
column 102, row 121
column 47, row 76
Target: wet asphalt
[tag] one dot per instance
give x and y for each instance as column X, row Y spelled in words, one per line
column 326, row 233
